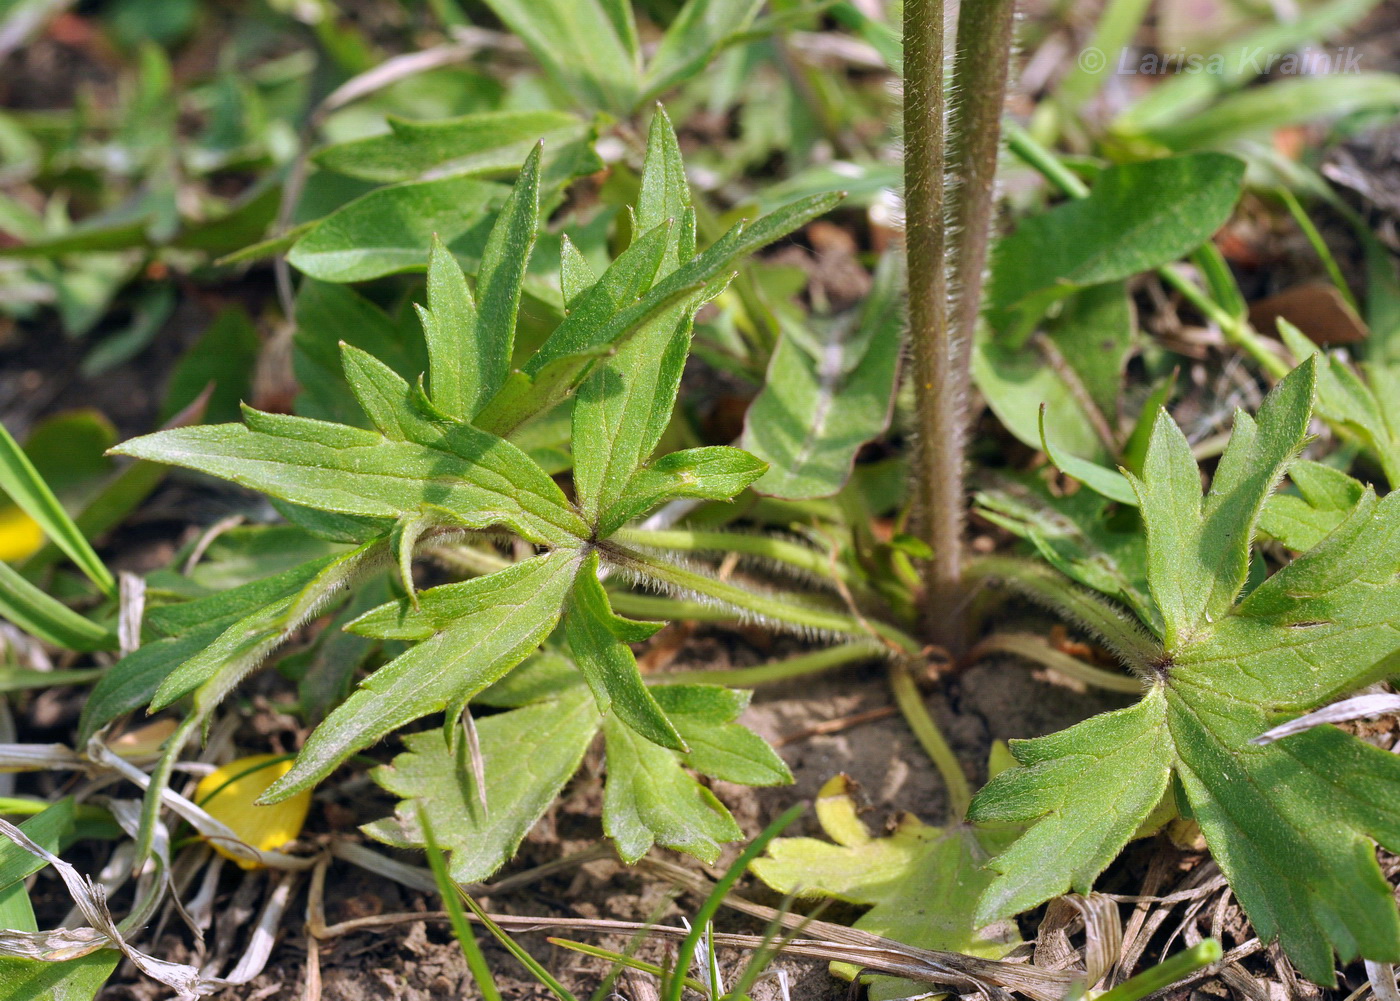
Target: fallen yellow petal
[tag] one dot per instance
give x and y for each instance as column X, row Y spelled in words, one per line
column 228, row 795
column 20, row 535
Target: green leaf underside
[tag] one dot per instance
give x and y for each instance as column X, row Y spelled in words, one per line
column 1291, row 824
column 650, row 798
column 494, row 624
column 527, row 755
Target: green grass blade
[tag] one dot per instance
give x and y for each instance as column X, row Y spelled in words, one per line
column 621, row 959
column 526, row 960
column 27, row 488
column 50, row 620
column 671, row 990
column 461, row 927
column 1166, row 973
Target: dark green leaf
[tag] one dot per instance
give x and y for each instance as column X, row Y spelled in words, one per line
column 480, row 478
column 1138, row 216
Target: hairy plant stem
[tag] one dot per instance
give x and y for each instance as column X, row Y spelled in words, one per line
column 784, row 609
column 935, row 745
column 938, row 390
column 1139, row 651
column 1037, row 650
column 980, row 75
column 779, row 550
column 826, row 659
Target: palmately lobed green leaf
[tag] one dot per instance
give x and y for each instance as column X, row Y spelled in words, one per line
column 1083, row 791
column 1293, row 824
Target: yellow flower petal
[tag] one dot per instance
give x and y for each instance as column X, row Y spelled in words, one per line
column 227, row 794
column 20, row 535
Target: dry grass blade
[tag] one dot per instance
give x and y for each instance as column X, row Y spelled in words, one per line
column 198, row 818
column 103, row 931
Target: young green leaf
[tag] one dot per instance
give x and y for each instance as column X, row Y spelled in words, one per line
column 1292, row 823
column 79, row 979
column 584, row 335
column 1083, row 791
column 1325, row 498
column 822, row 401
column 598, row 639
column 1198, row 552
column 450, row 327
column 495, row 623
column 503, row 264
column 717, row 472
column 551, row 721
